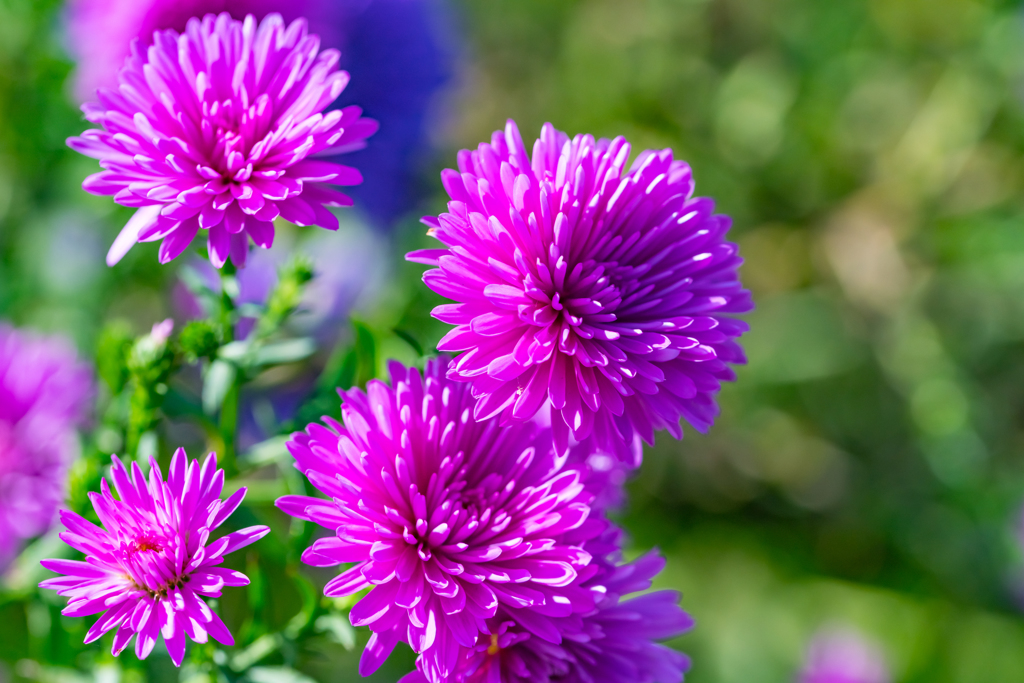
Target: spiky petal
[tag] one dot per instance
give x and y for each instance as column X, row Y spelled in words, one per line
column 151, row 563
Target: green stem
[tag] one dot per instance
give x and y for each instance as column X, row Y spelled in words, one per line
column 227, row 303
column 229, row 428
column 229, row 409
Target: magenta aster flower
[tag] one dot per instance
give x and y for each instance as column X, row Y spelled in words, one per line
column 216, row 129
column 842, row 655
column 448, row 519
column 604, row 290
column 153, row 560
column 44, row 394
column 399, row 52
column 613, row 643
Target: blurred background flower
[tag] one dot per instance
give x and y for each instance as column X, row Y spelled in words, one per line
column 838, row 655
column 45, row 395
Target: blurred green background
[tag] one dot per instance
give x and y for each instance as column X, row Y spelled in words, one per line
column 868, row 466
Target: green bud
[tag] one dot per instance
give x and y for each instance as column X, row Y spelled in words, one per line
column 112, row 349
column 199, row 339
column 285, row 297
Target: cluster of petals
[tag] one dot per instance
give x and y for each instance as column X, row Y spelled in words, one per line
column 447, row 519
column 605, row 290
column 150, row 564
column 616, row 642
column 399, row 53
column 216, row 129
column 44, row 394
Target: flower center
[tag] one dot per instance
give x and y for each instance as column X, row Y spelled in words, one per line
column 149, row 563
column 585, row 292
column 493, row 648
column 234, row 130
column 145, row 543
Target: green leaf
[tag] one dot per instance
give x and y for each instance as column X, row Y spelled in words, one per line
column 196, row 284
column 219, row 379
column 267, row 452
column 277, row 674
column 258, row 491
column 112, row 349
column 338, row 628
column 250, row 310
column 234, row 351
column 346, row 374
column 288, row 351
column 410, row 340
column 366, row 353
column 260, row 648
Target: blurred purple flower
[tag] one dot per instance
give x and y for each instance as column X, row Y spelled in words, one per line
column 613, row 643
column 44, row 394
column 841, row 655
column 399, row 53
column 149, row 565
column 448, row 519
column 605, row 291
column 215, row 129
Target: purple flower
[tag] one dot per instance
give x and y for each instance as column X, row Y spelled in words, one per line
column 44, row 394
column 448, row 519
column 398, row 52
column 603, row 290
column 840, row 655
column 215, row 129
column 613, row 643
column 149, row 565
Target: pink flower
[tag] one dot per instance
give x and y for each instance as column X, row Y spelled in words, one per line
column 841, row 655
column 446, row 518
column 216, row 129
column 152, row 560
column 605, row 290
column 44, row 394
column 615, row 642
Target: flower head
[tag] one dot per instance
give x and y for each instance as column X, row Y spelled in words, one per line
column 397, row 51
column 604, row 290
column 842, row 655
column 152, row 560
column 613, row 643
column 44, row 394
column 448, row 519
column 215, row 128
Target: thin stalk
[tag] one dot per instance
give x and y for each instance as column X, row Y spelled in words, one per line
column 228, row 424
column 228, row 429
